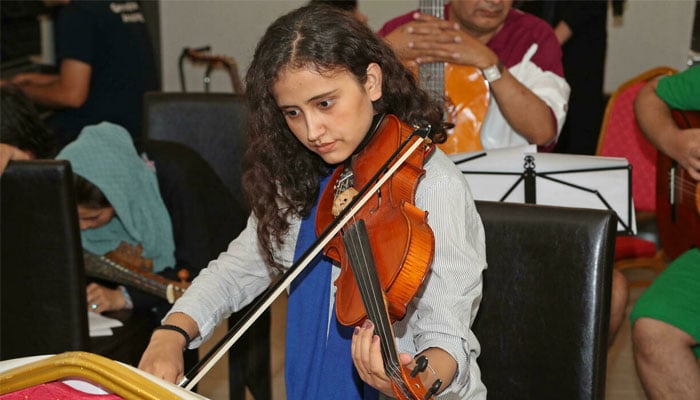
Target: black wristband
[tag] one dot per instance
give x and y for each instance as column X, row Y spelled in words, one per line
column 176, row 329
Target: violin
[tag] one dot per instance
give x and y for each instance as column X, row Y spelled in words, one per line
column 401, row 143
column 385, row 252
column 402, row 242
column 126, row 266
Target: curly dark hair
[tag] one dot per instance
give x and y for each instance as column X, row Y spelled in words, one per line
column 21, row 125
column 281, row 176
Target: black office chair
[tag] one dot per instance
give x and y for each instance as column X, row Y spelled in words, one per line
column 213, row 124
column 42, row 278
column 544, row 316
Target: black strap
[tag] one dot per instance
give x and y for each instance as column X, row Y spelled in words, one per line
column 176, row 329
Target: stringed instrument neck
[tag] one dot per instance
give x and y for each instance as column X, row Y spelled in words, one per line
column 431, row 76
column 463, row 89
column 101, row 267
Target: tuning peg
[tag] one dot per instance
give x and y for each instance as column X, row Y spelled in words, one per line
column 433, row 389
column 421, row 365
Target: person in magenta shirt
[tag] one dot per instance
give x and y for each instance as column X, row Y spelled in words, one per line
column 518, row 53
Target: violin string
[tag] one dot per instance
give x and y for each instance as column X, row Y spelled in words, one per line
column 358, row 262
column 363, row 263
column 380, row 309
column 364, row 269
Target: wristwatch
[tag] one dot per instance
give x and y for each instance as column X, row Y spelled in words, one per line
column 493, row 73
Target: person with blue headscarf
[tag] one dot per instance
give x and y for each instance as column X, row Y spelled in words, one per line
column 119, row 201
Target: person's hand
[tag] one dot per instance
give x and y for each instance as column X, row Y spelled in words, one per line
column 163, row 356
column 8, row 153
column 428, row 39
column 410, row 40
column 32, row 78
column 367, row 357
column 101, row 299
column 688, row 153
column 23, row 78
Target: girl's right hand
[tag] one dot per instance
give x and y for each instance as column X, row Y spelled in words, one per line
column 163, row 356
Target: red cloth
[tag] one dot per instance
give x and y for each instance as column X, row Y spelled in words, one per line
column 633, row 247
column 55, row 391
column 623, row 138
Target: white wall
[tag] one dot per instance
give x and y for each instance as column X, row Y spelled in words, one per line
column 650, row 34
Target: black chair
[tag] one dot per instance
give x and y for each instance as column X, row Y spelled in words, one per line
column 213, row 124
column 544, row 316
column 42, row 276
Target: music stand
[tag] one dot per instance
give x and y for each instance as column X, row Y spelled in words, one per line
column 521, row 175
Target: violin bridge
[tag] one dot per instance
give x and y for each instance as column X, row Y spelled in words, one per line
column 342, row 200
column 344, row 191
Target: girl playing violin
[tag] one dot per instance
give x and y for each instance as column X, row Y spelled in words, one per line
column 317, row 82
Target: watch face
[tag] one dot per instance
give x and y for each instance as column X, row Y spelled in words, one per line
column 492, row 73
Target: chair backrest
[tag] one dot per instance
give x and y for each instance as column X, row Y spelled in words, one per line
column 204, row 214
column 544, row 315
column 213, row 124
column 42, row 298
column 620, row 136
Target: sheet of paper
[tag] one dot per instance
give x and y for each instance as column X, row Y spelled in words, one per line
column 100, row 325
column 565, row 180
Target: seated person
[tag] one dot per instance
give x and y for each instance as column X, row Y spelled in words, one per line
column 119, row 199
column 186, row 182
column 518, row 53
column 665, row 328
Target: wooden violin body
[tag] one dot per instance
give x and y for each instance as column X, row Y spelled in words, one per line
column 402, row 241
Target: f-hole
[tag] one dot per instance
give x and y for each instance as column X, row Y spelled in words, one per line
column 379, row 202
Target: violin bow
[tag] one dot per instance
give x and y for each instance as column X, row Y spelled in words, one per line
column 265, row 301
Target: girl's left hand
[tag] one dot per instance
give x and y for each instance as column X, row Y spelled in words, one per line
column 367, row 357
column 101, row 299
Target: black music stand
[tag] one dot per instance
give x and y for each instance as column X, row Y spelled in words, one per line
column 520, row 175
